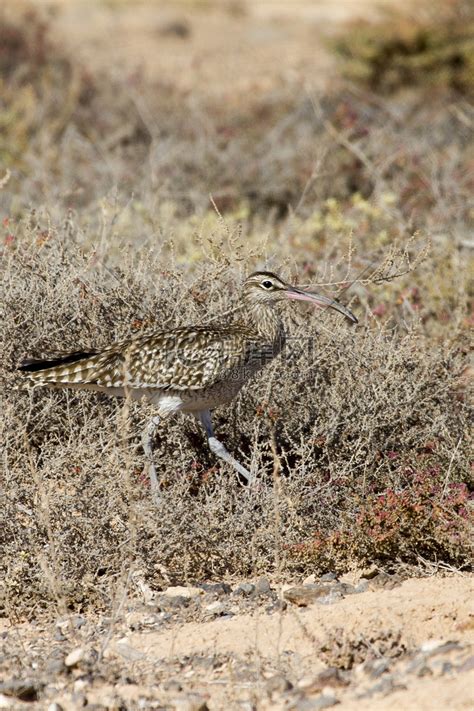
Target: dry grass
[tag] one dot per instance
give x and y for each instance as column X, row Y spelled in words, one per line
column 359, row 436
column 432, row 51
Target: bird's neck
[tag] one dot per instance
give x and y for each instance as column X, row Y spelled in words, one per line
column 265, row 322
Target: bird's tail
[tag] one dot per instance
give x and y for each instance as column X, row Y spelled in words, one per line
column 78, row 368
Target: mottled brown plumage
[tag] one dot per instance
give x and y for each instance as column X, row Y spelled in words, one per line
column 191, row 369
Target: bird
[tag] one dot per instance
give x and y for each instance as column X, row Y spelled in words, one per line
column 190, row 369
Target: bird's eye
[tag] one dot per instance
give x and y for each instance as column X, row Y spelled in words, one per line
column 267, row 284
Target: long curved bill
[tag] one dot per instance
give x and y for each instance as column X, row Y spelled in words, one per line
column 322, row 302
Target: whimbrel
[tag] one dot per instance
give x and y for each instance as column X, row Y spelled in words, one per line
column 191, row 369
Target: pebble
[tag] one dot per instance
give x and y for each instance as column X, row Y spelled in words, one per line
column 330, row 677
column 171, row 685
column 371, row 572
column 384, row 581
column 326, row 593
column 55, row 666
column 183, row 591
column 79, row 700
column 304, row 595
column 277, row 606
column 216, row 588
column 386, row 686
column 245, row 590
column 334, row 596
column 74, row 657
column 362, row 587
column 438, row 646
column 375, row 668
column 24, row 689
column 55, row 707
column 192, row 702
column 467, row 665
column 174, row 602
column 263, row 587
column 126, row 651
column 323, row 701
column 278, row 685
column 424, row 670
column 216, row 608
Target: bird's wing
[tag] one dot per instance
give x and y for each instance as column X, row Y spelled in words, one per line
column 185, row 359
column 180, row 359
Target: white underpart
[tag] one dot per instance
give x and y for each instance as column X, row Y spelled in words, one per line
column 167, row 403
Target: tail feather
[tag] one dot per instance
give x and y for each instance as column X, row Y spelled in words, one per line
column 79, row 368
column 33, row 365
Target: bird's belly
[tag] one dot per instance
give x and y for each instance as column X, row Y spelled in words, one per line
column 195, row 400
column 210, row 397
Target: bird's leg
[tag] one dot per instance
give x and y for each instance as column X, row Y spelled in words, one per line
column 218, row 448
column 148, row 437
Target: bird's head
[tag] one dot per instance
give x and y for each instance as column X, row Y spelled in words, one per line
column 266, row 288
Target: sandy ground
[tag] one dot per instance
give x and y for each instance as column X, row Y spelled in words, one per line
column 396, row 644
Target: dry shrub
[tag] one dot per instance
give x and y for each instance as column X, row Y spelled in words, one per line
column 330, row 428
column 345, row 651
column 359, row 436
column 431, row 52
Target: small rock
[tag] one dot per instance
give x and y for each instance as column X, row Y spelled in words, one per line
column 334, row 596
column 467, row 665
column 328, row 577
column 126, row 651
column 23, row 689
column 55, row 707
column 438, row 646
column 173, row 603
column 331, row 676
column 376, row 667
column 171, row 685
column 362, row 587
column 216, row 608
column 310, row 580
column 79, row 621
column 320, row 702
column 244, row 589
column 216, row 588
column 192, row 702
column 344, row 588
column 182, row 591
column 74, row 657
column 385, row 581
column 79, row 700
column 55, row 666
column 278, row 685
column 305, row 595
column 424, row 670
column 263, row 587
column 368, row 573
column 277, row 606
column 386, row 686
column 80, row 685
